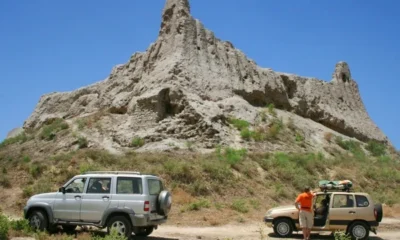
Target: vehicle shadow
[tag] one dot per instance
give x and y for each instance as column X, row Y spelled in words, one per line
column 99, row 233
column 317, row 237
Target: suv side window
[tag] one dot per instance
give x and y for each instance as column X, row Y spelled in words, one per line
column 343, row 201
column 155, row 186
column 362, row 201
column 99, row 185
column 129, row 185
column 76, row 186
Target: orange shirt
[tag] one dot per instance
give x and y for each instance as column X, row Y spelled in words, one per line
column 305, row 200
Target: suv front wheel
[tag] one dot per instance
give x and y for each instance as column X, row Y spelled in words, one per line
column 38, row 220
column 283, row 227
column 121, row 225
column 359, row 231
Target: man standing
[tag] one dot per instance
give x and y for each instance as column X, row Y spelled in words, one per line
column 304, row 205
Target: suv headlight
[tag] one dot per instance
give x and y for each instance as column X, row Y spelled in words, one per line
column 269, row 213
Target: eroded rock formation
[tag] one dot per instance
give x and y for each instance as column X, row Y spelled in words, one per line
column 188, row 81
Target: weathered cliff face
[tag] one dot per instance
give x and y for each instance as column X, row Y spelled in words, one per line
column 188, row 81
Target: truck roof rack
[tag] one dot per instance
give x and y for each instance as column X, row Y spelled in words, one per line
column 113, row 172
column 337, row 190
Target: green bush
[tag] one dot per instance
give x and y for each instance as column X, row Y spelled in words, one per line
column 20, row 225
column 232, row 156
column 198, row 204
column 246, row 134
column 26, row 159
column 137, row 142
column 112, row 236
column 82, row 142
column 35, row 170
column 50, row 130
column 271, row 109
column 376, row 149
column 240, row 205
column 299, row 137
column 341, row 236
column 21, row 138
column 239, row 124
column 4, row 227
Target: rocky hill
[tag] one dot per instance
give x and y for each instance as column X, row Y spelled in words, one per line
column 229, row 138
column 189, row 84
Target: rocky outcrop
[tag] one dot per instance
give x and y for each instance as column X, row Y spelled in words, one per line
column 187, row 79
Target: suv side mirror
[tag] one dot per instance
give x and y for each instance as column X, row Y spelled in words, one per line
column 62, row 189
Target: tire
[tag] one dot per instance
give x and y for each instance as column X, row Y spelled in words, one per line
column 69, row 228
column 122, row 225
column 164, row 203
column 379, row 212
column 283, row 228
column 38, row 220
column 144, row 231
column 359, row 231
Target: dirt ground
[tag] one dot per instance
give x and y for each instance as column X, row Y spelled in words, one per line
column 389, row 230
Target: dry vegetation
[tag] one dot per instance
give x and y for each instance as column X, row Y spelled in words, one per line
column 208, row 189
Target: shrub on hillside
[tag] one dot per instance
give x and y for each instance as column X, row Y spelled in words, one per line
column 376, row 149
column 4, row 227
column 271, row 109
column 239, row 124
column 21, row 138
column 50, row 130
column 231, row 156
column 137, row 142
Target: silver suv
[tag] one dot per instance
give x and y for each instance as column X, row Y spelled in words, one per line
column 127, row 201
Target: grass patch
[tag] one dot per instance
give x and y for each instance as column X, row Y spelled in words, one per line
column 50, row 130
column 21, row 138
column 239, row 124
column 198, row 204
column 376, row 149
column 231, row 156
column 271, row 109
column 240, row 205
column 137, row 142
column 82, row 142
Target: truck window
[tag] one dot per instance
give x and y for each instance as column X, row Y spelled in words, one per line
column 343, row 201
column 155, row 186
column 129, row 185
column 362, row 201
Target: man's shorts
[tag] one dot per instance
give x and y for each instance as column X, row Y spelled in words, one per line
column 306, row 219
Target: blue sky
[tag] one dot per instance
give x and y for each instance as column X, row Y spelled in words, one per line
column 48, row 46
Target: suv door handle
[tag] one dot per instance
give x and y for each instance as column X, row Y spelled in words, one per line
column 77, row 196
column 106, row 197
column 352, row 212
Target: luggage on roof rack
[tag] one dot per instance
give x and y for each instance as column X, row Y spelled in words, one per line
column 344, row 185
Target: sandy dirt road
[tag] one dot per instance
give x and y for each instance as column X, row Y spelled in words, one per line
column 389, row 230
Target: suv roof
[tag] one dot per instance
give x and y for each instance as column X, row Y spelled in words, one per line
column 115, row 173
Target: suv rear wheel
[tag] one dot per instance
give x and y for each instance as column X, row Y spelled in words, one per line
column 283, row 227
column 359, row 231
column 121, row 225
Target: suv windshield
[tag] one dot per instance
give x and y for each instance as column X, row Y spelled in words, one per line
column 155, row 186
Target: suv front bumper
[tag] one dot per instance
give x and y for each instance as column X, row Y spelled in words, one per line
column 144, row 220
column 268, row 221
